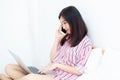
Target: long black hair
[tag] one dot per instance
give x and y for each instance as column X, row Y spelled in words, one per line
column 78, row 27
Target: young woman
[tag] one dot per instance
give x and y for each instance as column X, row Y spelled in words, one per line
column 69, row 53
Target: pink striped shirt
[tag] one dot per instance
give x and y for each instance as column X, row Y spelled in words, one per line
column 72, row 56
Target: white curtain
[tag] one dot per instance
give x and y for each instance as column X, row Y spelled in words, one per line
column 16, row 31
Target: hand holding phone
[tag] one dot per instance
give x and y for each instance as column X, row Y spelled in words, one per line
column 63, row 31
column 60, row 33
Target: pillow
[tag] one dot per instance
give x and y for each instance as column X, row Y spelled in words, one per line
column 110, row 66
column 93, row 60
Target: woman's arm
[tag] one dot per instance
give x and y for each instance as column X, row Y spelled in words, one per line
column 54, row 49
column 58, row 37
column 68, row 69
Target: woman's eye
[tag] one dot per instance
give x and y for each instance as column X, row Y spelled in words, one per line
column 64, row 22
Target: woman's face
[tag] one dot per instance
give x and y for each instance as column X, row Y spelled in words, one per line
column 65, row 24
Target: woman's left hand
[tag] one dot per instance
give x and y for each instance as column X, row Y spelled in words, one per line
column 48, row 68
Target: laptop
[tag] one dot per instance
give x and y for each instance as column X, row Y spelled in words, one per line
column 28, row 69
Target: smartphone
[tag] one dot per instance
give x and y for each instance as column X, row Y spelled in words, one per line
column 63, row 31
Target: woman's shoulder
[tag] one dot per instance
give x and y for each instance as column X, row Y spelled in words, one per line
column 86, row 40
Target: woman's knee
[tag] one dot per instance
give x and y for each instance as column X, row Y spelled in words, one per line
column 9, row 68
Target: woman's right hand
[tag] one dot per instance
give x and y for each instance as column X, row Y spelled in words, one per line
column 59, row 35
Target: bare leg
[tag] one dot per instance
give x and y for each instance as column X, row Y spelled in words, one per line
column 3, row 77
column 14, row 71
column 36, row 77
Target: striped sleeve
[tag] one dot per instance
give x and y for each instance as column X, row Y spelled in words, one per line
column 83, row 57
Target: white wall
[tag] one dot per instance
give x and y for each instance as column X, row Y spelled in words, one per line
column 28, row 26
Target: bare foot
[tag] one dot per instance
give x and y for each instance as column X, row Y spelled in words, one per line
column 3, row 77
